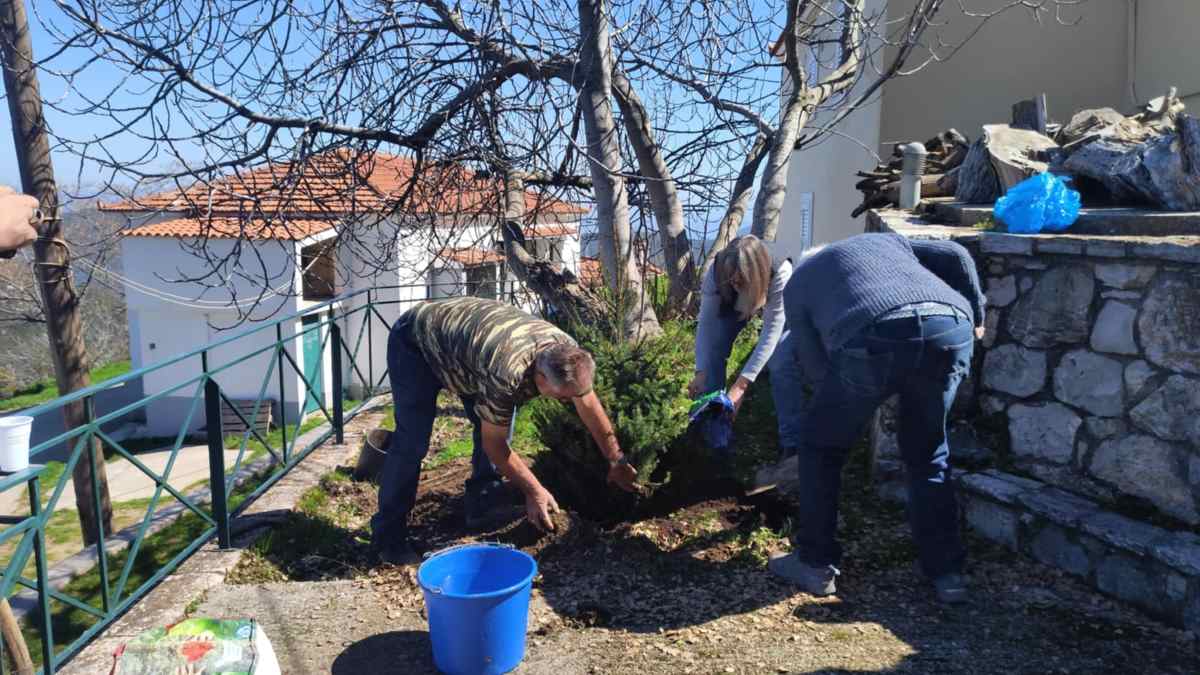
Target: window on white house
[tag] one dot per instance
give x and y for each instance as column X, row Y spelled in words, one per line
column 482, row 281
column 319, row 271
column 556, row 250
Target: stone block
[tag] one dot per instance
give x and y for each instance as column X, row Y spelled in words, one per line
column 965, row 445
column 1105, row 248
column 1026, row 284
column 1032, row 264
column 1044, row 431
column 1184, row 253
column 1056, row 310
column 883, row 430
column 1014, row 370
column 1180, row 551
column 994, row 522
column 1009, row 244
column 1139, row 377
column 1130, row 296
column 992, row 405
column 996, row 266
column 1172, row 411
column 1150, row 468
column 1052, row 546
column 1113, row 330
column 1177, row 587
column 1022, row 481
column 1105, row 427
column 1092, row 382
column 1058, row 506
column 1169, row 324
column 1060, row 245
column 1125, row 577
column 1124, row 533
column 1124, row 277
column 1001, row 291
column 991, row 326
column 1191, row 613
column 994, row 488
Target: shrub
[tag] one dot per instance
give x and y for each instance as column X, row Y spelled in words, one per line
column 643, row 386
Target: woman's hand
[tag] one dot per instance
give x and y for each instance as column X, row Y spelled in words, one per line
column 696, row 386
column 737, row 393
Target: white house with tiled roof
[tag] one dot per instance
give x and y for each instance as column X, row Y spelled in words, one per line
column 274, row 241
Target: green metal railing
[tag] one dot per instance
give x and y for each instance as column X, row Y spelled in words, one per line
column 124, row 577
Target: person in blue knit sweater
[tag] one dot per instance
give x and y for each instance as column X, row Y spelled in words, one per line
column 872, row 316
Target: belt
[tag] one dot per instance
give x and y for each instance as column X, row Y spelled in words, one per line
column 922, row 309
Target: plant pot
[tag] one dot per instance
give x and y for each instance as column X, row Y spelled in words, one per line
column 372, row 455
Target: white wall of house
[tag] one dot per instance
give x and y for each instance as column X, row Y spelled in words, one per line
column 162, row 328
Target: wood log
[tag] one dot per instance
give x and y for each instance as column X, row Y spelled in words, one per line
column 1014, row 153
column 1160, row 171
column 977, row 182
column 11, row 630
column 1030, row 114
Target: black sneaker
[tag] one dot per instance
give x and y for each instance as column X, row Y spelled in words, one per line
column 400, row 554
column 490, row 504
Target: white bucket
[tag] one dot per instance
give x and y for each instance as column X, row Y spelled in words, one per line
column 14, row 442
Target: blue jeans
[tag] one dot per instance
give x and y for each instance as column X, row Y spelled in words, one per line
column 783, row 371
column 414, row 396
column 923, row 359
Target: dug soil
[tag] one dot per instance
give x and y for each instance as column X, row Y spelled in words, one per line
column 686, row 590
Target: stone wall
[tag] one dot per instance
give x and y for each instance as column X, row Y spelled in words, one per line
column 1089, row 377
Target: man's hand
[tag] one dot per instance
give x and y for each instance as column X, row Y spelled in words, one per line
column 696, row 386
column 623, row 476
column 980, row 331
column 539, row 504
column 17, row 212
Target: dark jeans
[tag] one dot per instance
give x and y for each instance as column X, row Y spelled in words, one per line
column 784, row 371
column 414, row 395
column 923, row 359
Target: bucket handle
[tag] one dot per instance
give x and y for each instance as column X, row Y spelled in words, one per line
column 450, row 549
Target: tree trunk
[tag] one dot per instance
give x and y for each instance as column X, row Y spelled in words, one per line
column 774, row 181
column 664, row 198
column 52, row 266
column 557, row 286
column 604, row 164
column 743, row 188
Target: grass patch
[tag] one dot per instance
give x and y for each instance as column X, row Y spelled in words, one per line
column 986, row 225
column 47, row 390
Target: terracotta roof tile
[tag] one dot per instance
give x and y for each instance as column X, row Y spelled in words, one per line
column 550, row 230
column 591, row 272
column 470, row 257
column 339, row 182
column 232, row 228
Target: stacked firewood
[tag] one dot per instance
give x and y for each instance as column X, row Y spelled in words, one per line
column 881, row 187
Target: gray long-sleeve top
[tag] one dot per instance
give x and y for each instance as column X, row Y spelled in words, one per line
column 773, row 321
column 840, row 289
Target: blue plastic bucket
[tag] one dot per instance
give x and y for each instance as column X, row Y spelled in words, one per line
column 477, row 599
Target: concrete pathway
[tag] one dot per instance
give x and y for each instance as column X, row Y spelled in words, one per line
column 126, row 481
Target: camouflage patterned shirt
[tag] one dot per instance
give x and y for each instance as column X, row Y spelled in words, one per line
column 484, row 349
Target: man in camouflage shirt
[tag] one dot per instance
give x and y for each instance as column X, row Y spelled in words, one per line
column 495, row 358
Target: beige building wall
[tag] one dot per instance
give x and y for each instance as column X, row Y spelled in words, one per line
column 1165, row 53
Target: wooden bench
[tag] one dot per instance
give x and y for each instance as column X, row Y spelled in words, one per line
column 231, row 423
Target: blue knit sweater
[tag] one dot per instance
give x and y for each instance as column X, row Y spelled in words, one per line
column 840, row 289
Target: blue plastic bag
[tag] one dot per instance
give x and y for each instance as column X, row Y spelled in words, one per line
column 714, row 413
column 1041, row 203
